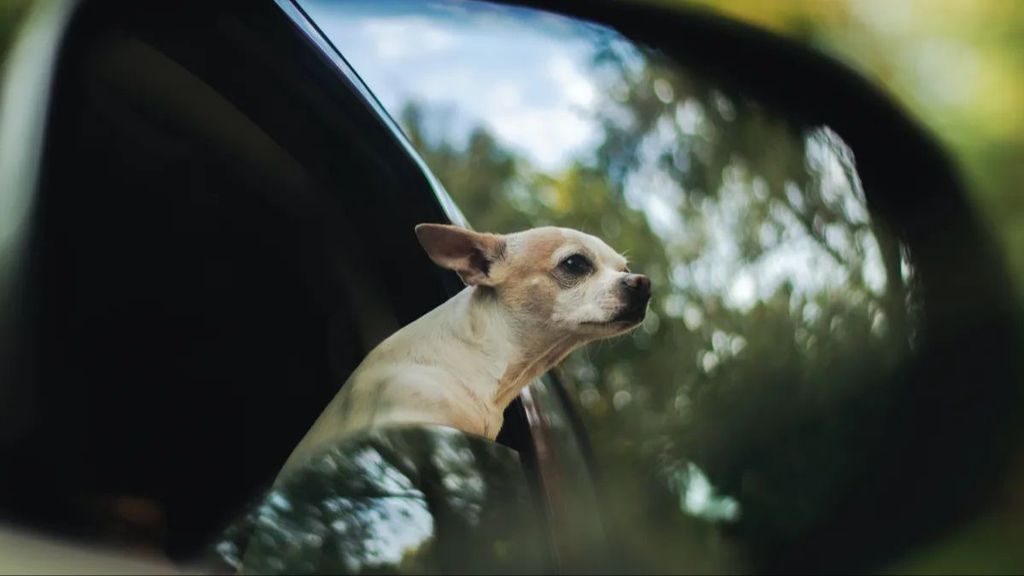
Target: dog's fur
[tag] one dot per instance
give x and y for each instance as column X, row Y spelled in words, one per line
column 523, row 310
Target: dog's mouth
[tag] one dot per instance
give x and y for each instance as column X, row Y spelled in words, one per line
column 611, row 323
column 633, row 313
column 625, row 318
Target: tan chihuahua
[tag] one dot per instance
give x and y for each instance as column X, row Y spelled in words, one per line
column 531, row 298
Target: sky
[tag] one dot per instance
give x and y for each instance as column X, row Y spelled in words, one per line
column 538, row 102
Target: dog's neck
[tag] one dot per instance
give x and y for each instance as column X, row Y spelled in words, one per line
column 509, row 354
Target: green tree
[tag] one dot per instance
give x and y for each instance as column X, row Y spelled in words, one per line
column 729, row 427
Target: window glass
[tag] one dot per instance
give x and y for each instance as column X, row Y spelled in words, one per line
column 735, row 422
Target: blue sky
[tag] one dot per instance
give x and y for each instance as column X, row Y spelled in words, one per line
column 522, row 74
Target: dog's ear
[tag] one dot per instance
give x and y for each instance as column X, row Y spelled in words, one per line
column 470, row 254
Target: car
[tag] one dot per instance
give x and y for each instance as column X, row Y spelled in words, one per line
column 209, row 221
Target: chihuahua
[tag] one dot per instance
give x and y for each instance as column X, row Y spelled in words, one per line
column 531, row 298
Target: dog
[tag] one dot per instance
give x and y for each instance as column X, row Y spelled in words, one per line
column 531, row 298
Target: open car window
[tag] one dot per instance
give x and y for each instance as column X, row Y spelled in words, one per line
column 758, row 411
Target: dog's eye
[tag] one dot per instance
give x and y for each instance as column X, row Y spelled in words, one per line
column 577, row 265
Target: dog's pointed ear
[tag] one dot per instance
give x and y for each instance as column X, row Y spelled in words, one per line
column 471, row 254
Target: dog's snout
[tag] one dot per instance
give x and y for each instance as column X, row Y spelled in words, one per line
column 638, row 284
column 636, row 292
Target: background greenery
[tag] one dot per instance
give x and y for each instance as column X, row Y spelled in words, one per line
column 731, row 427
column 958, row 67
column 730, row 434
column 955, row 65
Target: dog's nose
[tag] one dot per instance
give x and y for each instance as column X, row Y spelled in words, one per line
column 638, row 284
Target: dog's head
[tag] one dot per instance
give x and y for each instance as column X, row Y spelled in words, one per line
column 559, row 280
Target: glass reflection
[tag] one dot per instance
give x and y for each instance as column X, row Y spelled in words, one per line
column 738, row 419
column 411, row 499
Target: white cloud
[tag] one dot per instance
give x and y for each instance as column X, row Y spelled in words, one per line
column 577, row 88
column 400, row 38
column 527, row 84
column 548, row 136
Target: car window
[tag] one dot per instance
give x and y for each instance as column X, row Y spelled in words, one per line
column 737, row 422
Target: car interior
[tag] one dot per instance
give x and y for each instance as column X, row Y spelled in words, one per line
column 224, row 230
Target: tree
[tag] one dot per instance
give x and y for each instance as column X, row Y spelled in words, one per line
column 767, row 393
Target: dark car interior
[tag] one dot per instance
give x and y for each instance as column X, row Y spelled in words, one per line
column 223, row 231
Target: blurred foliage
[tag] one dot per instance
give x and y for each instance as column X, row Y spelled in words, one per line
column 12, row 13
column 419, row 500
column 733, row 425
column 752, row 419
column 956, row 65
